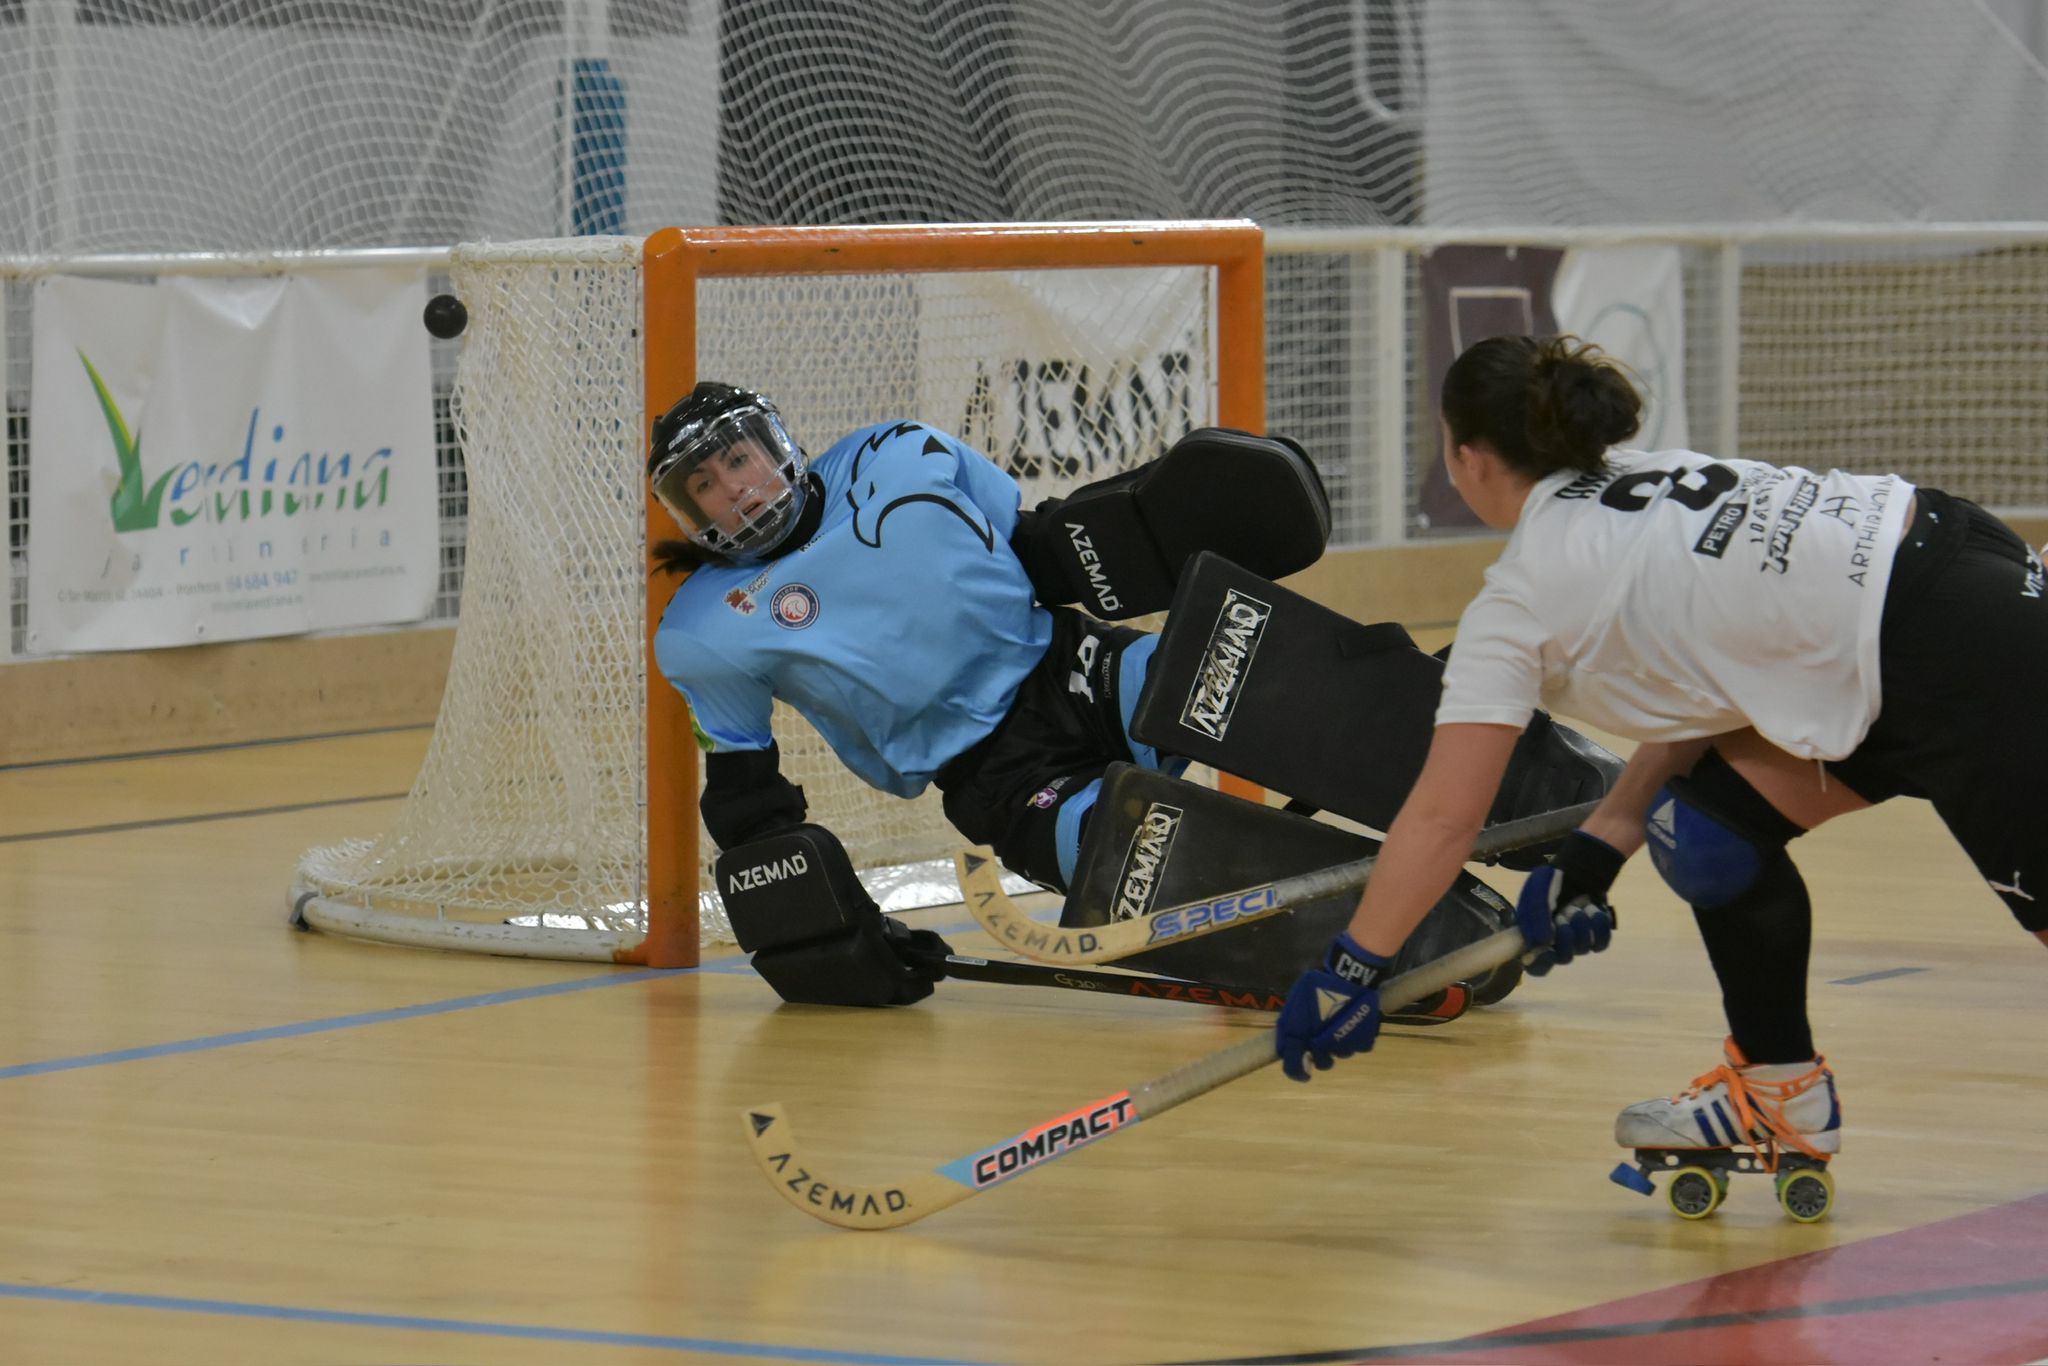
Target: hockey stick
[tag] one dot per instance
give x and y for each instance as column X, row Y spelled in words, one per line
column 981, row 884
column 776, row 1150
column 1449, row 1005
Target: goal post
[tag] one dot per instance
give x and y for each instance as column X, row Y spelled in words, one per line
column 556, row 812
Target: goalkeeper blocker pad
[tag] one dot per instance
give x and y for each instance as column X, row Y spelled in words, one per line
column 1119, row 545
column 817, row 937
column 1257, row 680
column 1154, row 841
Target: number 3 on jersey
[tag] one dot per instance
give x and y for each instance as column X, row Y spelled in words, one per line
column 1697, row 489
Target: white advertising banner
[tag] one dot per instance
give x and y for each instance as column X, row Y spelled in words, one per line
column 1631, row 301
column 1106, row 367
column 216, row 459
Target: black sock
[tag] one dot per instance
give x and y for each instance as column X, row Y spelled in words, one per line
column 1758, row 944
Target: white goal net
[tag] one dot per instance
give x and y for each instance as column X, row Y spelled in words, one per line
column 530, row 805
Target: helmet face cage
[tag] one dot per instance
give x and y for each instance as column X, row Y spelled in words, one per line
column 733, row 482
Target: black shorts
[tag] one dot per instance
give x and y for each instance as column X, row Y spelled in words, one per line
column 1064, row 728
column 1963, row 720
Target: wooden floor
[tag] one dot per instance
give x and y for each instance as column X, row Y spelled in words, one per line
column 224, row 1141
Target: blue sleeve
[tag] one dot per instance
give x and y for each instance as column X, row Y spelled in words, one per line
column 729, row 708
column 987, row 487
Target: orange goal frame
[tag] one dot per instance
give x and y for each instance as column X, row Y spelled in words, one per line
column 674, row 259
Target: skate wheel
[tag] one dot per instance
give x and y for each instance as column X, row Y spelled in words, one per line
column 1806, row 1196
column 1695, row 1192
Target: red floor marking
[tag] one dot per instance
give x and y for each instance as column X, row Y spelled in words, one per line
column 1972, row 1288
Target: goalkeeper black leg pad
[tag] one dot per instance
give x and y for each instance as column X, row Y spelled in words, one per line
column 1155, row 841
column 1259, row 681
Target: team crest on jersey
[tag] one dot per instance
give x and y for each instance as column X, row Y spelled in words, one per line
column 794, row 606
column 741, row 601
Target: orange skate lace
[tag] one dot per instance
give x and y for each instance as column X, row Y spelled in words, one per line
column 1755, row 1098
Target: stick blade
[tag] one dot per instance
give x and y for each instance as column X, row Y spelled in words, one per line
column 780, row 1158
column 981, row 886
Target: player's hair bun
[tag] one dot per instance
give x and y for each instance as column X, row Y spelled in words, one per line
column 1579, row 404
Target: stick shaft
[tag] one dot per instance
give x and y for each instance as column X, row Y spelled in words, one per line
column 1202, row 1075
column 1072, row 946
column 1107, row 983
column 1492, row 842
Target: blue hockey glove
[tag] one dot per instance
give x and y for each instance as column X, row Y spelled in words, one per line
column 1563, row 910
column 1333, row 1011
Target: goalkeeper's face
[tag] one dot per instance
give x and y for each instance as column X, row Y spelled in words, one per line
column 732, row 487
column 734, row 490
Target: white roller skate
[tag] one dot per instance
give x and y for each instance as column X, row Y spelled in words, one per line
column 1781, row 1119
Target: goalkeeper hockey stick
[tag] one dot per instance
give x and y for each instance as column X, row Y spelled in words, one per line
column 981, row 884
column 897, row 1203
column 1443, row 1008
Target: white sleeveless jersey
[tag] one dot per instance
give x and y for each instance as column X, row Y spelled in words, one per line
column 1674, row 596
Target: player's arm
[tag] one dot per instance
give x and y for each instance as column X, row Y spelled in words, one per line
column 732, row 710
column 1431, row 838
column 789, row 887
column 1334, row 1009
column 1622, row 812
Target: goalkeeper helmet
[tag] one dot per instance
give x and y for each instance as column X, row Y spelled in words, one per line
column 723, row 465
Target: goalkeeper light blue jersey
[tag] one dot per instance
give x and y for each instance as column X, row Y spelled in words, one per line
column 901, row 630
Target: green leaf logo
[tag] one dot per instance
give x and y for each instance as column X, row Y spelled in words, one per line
column 133, row 509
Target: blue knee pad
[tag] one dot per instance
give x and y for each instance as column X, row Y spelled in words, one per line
column 1704, row 858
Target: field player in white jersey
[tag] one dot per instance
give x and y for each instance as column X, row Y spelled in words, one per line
column 1786, row 645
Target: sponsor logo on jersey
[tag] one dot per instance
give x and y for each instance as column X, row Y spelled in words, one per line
column 1091, row 565
column 740, row 602
column 1047, row 795
column 1137, row 887
column 794, row 606
column 1240, row 624
column 761, row 874
column 1778, row 551
column 1043, row 1142
column 1860, row 555
column 1728, row 519
column 1184, row 921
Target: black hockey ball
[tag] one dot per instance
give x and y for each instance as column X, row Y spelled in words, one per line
column 445, row 316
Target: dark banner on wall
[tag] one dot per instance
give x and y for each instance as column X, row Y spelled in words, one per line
column 1470, row 294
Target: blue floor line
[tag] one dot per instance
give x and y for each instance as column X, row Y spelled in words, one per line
column 287, row 1031
column 1884, row 976
column 469, row 1327
column 737, row 964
